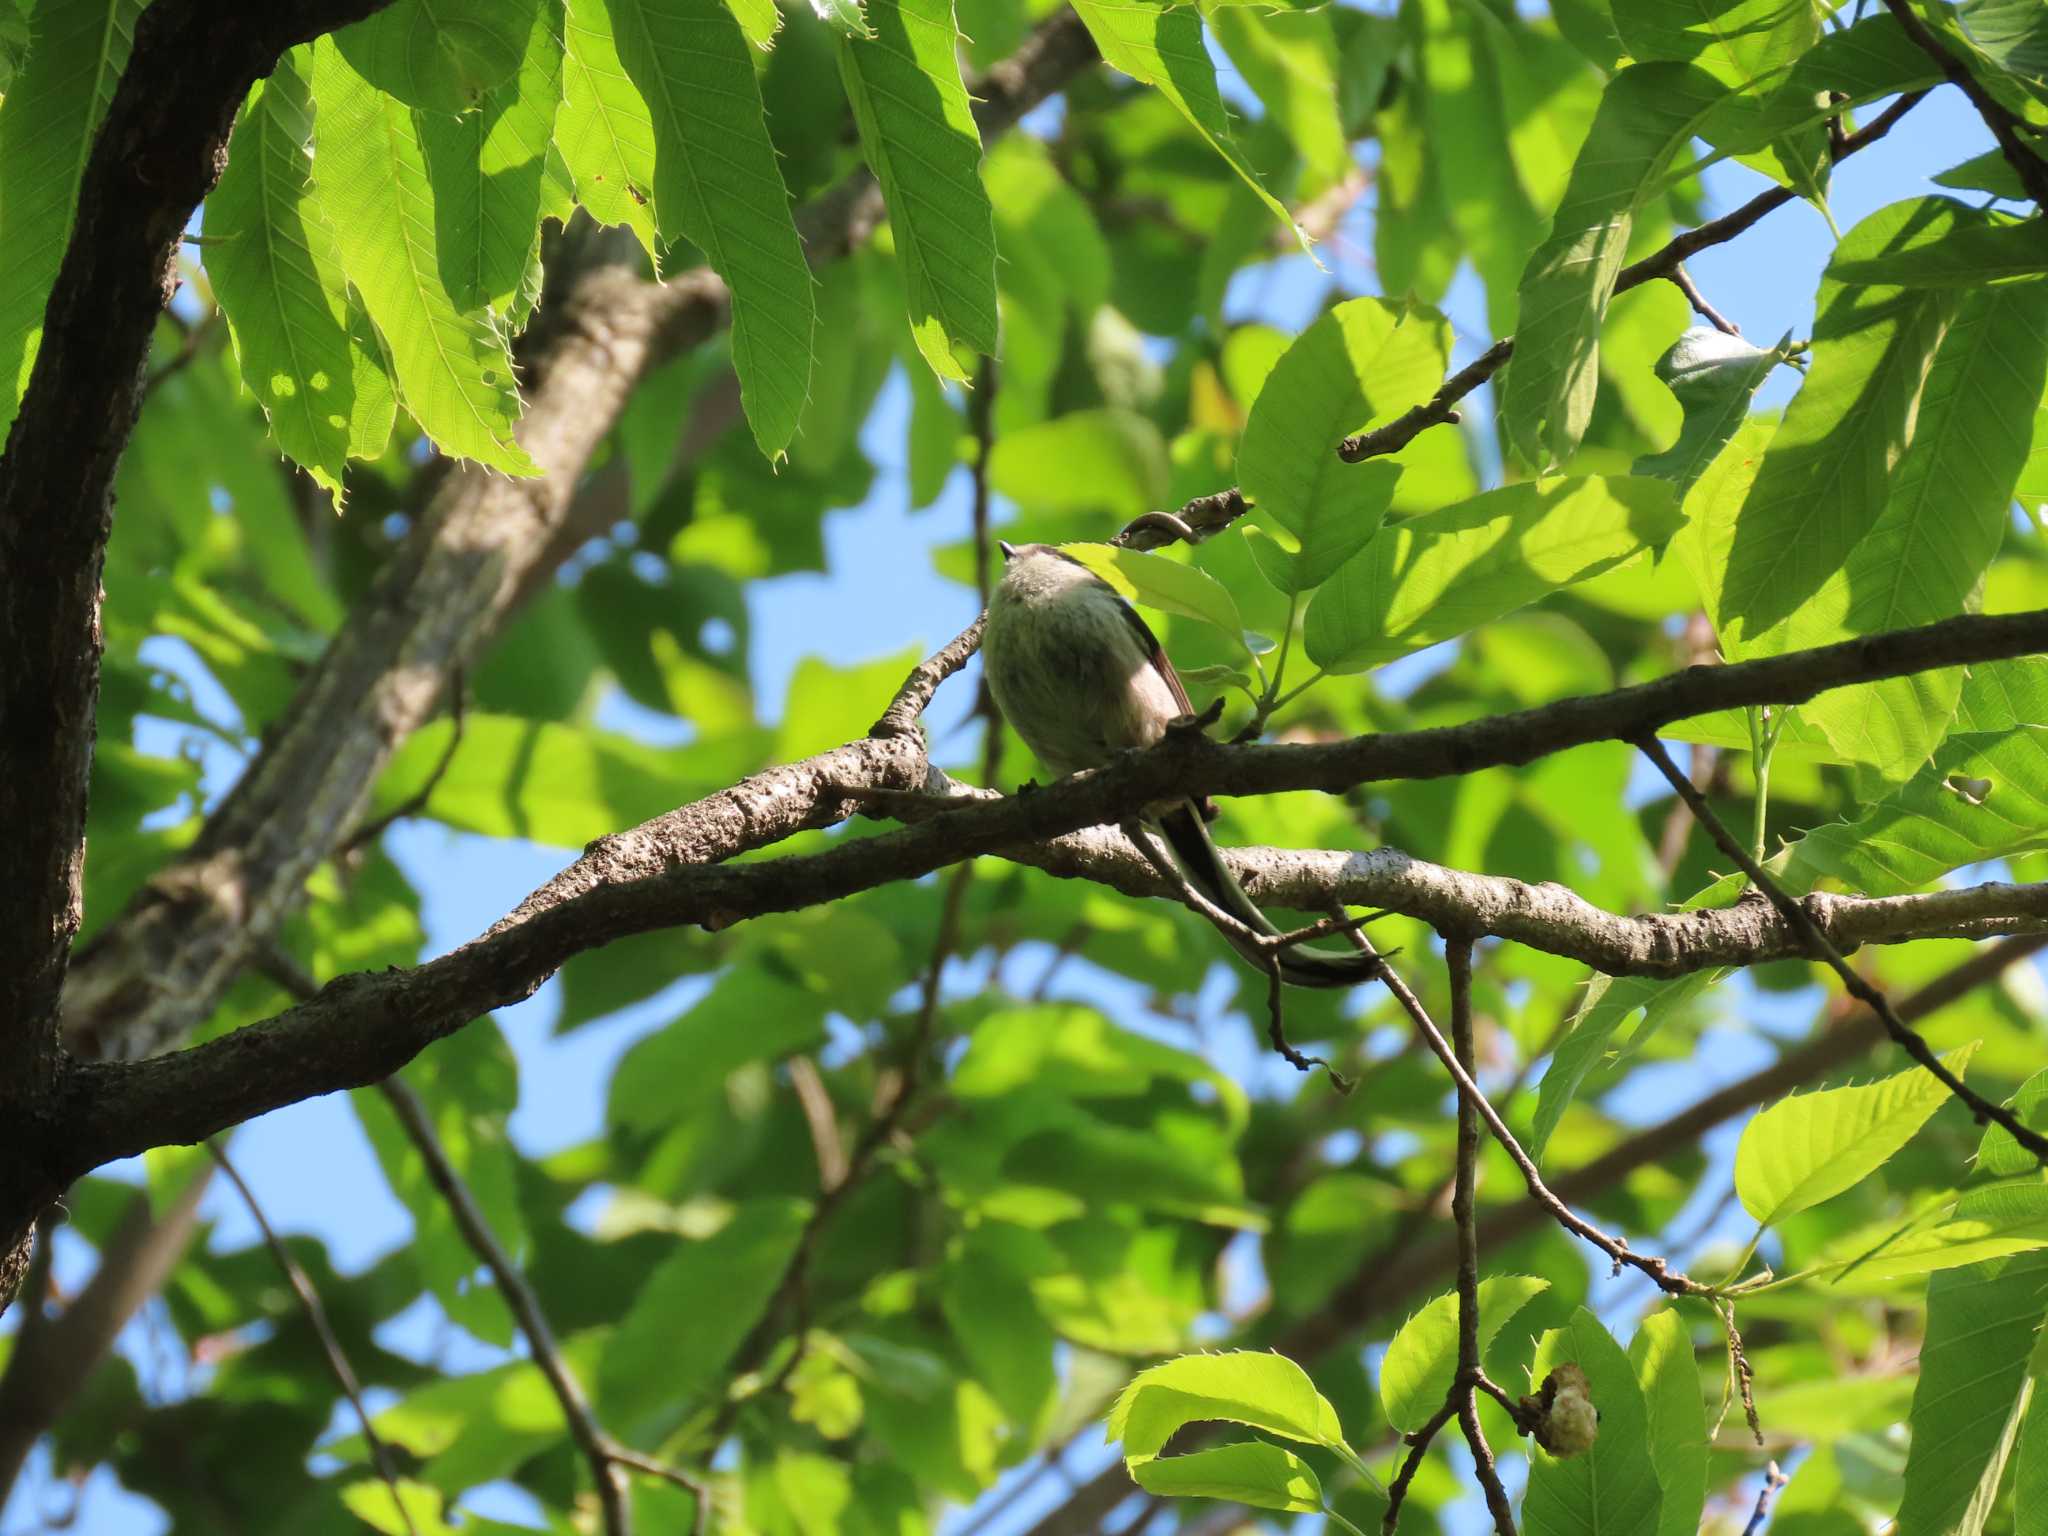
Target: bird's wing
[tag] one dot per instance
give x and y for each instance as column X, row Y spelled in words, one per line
column 1155, row 653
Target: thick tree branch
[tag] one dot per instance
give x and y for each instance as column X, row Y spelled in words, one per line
column 362, row 1028
column 159, row 150
column 482, row 544
column 1550, row 917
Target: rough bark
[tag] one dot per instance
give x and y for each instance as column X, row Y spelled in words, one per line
column 159, row 151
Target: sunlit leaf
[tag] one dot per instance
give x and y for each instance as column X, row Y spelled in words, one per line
column 1812, row 1146
column 1415, row 1375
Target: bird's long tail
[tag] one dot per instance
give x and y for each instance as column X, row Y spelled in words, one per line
column 1301, row 965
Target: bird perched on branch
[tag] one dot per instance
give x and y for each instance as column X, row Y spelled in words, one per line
column 1081, row 677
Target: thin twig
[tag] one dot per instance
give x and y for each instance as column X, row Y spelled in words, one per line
column 791, row 1290
column 1198, row 519
column 1681, row 279
column 330, row 1343
column 605, row 1456
column 1668, row 1279
column 819, row 1118
column 1440, row 409
column 2031, row 169
column 188, row 349
column 1418, row 1447
column 415, row 802
column 1458, row 960
column 1801, row 922
column 1773, row 1481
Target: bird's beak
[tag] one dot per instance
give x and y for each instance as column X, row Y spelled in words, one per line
column 1009, row 550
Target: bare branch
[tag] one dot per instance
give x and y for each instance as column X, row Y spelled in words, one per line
column 483, row 544
column 323, row 1330
column 1408, row 1266
column 604, row 1454
column 361, row 1028
column 1458, row 959
column 1440, row 409
column 1797, row 918
column 1666, row 1278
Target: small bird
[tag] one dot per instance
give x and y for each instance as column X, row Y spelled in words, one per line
column 1081, row 677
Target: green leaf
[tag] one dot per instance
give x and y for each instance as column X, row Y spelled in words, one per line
column 2012, row 37
column 1999, row 1152
column 453, row 368
column 1747, row 45
column 603, row 129
column 1987, row 1224
column 717, row 185
column 1158, row 581
column 759, row 19
column 1945, row 514
column 1984, row 796
column 489, row 170
column 1982, row 1323
column 553, row 783
column 1434, row 577
column 1416, row 1374
column 1001, row 1331
column 918, row 133
column 694, row 1311
column 1610, row 1002
column 1612, row 1487
column 440, row 55
column 277, row 274
column 1825, row 478
column 1162, row 46
column 1714, row 377
column 1290, row 59
column 53, row 111
column 1649, row 113
column 842, row 15
column 1669, row 1375
column 1362, row 363
column 411, row 1509
column 376, row 401
column 750, row 1015
column 2030, row 1461
column 1812, row 1146
column 1250, row 1473
column 1968, row 256
column 1249, row 1387
column 1102, row 460
column 1989, row 172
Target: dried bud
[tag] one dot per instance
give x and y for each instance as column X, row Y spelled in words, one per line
column 1562, row 1416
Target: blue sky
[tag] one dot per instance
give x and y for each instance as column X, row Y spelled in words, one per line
column 310, row 1165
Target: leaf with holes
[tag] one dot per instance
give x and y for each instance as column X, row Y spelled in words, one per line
column 453, row 368
column 277, row 274
column 440, row 55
